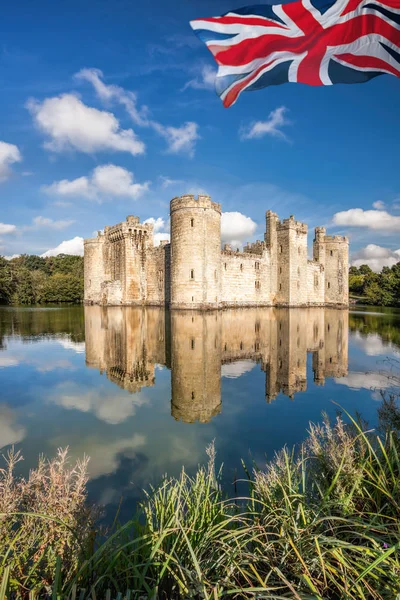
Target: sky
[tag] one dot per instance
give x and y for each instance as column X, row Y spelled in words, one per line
column 108, row 109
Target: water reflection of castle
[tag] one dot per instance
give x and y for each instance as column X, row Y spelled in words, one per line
column 128, row 343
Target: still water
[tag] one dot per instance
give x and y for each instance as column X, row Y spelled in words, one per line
column 144, row 391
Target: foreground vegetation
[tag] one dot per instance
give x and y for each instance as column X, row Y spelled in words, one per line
column 380, row 289
column 31, row 279
column 322, row 522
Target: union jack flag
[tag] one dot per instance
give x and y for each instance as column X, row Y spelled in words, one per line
column 317, row 42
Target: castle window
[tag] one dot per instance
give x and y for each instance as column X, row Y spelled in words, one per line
column 331, row 252
column 298, row 271
column 192, row 344
column 329, row 284
column 192, row 298
column 192, row 274
column 130, row 230
column 280, row 269
column 241, row 267
column 192, row 395
column 298, row 285
column 257, row 285
column 215, row 275
column 257, row 265
column 191, row 222
column 280, row 286
column 257, row 346
column 225, row 266
column 241, row 345
column 316, row 280
column 280, row 249
column 329, row 327
column 225, row 347
column 280, row 363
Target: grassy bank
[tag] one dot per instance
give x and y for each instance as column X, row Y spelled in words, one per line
column 321, row 522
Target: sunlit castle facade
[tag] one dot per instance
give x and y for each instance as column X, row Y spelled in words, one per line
column 123, row 267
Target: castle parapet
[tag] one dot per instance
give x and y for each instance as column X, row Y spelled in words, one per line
column 291, row 223
column 257, row 247
column 190, row 201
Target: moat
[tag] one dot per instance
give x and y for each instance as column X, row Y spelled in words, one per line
column 143, row 391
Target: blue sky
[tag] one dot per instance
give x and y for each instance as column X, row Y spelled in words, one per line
column 155, row 129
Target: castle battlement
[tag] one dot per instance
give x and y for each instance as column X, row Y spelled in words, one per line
column 122, row 266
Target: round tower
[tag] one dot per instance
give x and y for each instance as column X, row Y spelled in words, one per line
column 93, row 269
column 195, row 252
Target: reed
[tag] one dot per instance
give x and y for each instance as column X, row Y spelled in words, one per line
column 319, row 522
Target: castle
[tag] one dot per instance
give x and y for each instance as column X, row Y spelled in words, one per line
column 129, row 344
column 123, row 267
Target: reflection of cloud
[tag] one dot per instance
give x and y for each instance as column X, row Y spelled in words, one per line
column 236, row 369
column 373, row 345
column 8, row 361
column 104, row 456
column 110, row 409
column 10, row 431
column 68, row 344
column 55, row 364
column 367, row 381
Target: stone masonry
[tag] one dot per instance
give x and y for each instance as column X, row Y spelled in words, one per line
column 123, row 267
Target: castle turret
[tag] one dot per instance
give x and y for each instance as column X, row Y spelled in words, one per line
column 195, row 252
column 93, row 268
column 333, row 253
column 291, row 287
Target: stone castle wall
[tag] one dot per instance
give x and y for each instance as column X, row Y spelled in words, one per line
column 123, row 267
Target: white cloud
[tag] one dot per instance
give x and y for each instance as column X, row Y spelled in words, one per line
column 373, row 345
column 11, row 256
column 9, row 361
column 68, row 344
column 50, row 223
column 237, row 369
column 6, row 228
column 9, row 154
column 204, row 81
column 179, row 139
column 74, row 246
column 271, row 126
column 167, row 181
column 105, row 181
column 379, row 205
column 236, row 227
column 366, row 381
column 108, row 93
column 375, row 257
column 159, row 224
column 377, row 220
column 160, row 237
column 71, row 125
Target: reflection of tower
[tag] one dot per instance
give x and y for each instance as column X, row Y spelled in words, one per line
column 291, row 363
column 126, row 343
column 195, row 252
column 336, row 342
column 195, row 365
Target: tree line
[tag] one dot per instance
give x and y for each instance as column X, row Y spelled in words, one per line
column 32, row 279
column 380, row 289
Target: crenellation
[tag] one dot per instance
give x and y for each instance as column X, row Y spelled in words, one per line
column 123, row 267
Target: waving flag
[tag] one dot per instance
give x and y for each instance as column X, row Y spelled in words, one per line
column 318, row 42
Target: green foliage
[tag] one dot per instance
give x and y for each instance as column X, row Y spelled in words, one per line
column 380, row 289
column 319, row 523
column 31, row 279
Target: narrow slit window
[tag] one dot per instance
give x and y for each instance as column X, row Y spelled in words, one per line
column 191, row 222
column 192, row 274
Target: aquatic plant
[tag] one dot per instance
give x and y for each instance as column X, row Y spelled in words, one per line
column 319, row 522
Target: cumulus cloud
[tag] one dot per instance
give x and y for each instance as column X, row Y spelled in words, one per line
column 105, row 182
column 375, row 257
column 159, row 225
column 257, row 129
column 6, row 228
column 180, row 139
column 9, row 154
column 379, row 205
column 71, row 125
column 74, row 246
column 204, row 81
column 376, row 220
column 236, row 227
column 50, row 223
column 367, row 381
